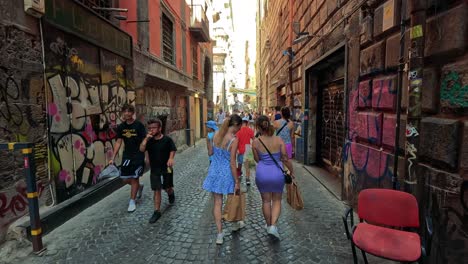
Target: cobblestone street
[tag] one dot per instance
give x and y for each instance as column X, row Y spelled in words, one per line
column 106, row 233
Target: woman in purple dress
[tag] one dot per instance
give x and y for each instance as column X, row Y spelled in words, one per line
column 269, row 178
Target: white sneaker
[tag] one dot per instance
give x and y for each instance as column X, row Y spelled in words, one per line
column 220, row 239
column 236, row 226
column 273, row 230
column 131, row 206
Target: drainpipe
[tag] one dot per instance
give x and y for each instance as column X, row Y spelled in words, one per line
column 290, row 51
column 401, row 70
column 415, row 77
column 47, row 135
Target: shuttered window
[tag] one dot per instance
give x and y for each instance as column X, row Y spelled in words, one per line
column 167, row 39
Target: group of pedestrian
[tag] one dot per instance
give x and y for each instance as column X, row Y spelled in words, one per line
column 271, row 150
column 141, row 149
column 231, row 142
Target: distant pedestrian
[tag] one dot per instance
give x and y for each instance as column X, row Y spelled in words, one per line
column 161, row 151
column 212, row 128
column 244, row 135
column 222, row 178
column 277, row 114
column 131, row 132
column 269, row 177
column 220, row 116
column 285, row 130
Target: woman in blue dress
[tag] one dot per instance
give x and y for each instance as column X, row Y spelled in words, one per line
column 222, row 174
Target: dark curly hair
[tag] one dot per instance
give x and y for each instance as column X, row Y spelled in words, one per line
column 264, row 126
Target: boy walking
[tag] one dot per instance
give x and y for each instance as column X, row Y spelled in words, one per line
column 131, row 132
column 161, row 150
column 245, row 135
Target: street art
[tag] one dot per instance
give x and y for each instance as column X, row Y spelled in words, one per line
column 167, row 106
column 86, row 95
column 454, row 92
column 9, row 92
column 13, row 203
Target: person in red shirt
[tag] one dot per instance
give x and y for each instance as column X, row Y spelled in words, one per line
column 244, row 135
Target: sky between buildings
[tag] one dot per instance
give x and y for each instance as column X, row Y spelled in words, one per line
column 244, row 30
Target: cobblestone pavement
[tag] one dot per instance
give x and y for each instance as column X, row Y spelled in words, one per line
column 106, row 233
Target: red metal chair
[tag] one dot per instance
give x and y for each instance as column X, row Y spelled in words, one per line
column 383, row 215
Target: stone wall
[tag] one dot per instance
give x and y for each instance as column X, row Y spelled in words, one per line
column 22, row 115
column 371, row 31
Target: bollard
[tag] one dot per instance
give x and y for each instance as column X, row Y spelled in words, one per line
column 31, row 185
column 31, row 191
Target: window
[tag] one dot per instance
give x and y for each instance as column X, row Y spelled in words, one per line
column 167, row 39
column 98, row 3
column 195, row 62
column 184, row 51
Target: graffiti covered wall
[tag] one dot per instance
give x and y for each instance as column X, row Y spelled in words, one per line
column 87, row 86
column 435, row 169
column 22, row 119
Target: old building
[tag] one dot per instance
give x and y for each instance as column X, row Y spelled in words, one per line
column 336, row 64
column 65, row 81
column 173, row 63
column 65, row 77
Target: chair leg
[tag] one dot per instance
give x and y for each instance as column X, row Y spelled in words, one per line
column 353, row 249
column 364, row 257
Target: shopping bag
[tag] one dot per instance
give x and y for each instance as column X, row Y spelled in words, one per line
column 294, row 196
column 234, row 210
column 109, row 172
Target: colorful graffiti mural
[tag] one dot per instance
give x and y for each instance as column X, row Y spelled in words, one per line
column 368, row 151
column 87, row 87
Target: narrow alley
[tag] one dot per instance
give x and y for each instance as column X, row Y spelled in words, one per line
column 106, row 233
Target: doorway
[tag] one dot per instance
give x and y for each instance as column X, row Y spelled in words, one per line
column 324, row 98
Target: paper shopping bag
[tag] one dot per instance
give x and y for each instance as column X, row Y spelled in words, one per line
column 234, row 210
column 294, row 197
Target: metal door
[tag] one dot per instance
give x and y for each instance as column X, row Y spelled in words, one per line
column 332, row 124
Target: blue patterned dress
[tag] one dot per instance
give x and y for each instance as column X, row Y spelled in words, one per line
column 219, row 179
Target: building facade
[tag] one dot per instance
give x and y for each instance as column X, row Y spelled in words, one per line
column 65, row 77
column 173, row 63
column 336, row 64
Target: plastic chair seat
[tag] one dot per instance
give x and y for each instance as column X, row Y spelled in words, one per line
column 388, row 243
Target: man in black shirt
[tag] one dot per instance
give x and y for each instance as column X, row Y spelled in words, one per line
column 161, row 150
column 131, row 132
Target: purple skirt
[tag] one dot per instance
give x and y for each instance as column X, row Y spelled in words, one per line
column 289, row 150
column 269, row 178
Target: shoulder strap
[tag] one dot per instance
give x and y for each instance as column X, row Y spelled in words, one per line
column 230, row 142
column 271, row 156
column 285, row 124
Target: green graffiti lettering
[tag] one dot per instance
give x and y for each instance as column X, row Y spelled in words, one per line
column 453, row 92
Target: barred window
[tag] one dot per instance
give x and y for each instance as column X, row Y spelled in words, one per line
column 167, row 39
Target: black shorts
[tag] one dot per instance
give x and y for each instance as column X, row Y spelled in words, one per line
column 161, row 180
column 131, row 168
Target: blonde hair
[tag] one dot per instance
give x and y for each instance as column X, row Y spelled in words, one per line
column 233, row 120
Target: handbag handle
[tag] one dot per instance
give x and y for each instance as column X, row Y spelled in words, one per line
column 271, row 156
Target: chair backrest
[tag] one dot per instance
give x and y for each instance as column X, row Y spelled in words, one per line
column 388, row 207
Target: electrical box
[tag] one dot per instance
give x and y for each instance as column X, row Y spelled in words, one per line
column 35, row 8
